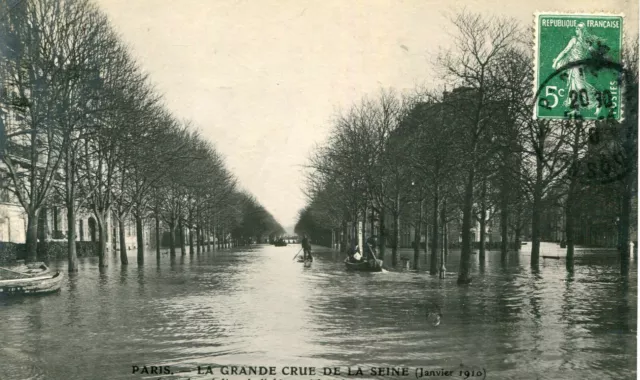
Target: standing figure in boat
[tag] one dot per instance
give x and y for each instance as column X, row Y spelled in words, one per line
column 370, row 248
column 306, row 246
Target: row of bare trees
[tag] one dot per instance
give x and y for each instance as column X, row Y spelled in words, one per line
column 85, row 129
column 471, row 155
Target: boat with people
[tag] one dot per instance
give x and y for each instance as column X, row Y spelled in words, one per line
column 373, row 265
column 367, row 263
column 34, row 278
column 280, row 243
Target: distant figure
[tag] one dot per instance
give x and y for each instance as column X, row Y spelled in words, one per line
column 306, row 246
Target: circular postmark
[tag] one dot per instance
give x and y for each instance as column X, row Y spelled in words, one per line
column 609, row 155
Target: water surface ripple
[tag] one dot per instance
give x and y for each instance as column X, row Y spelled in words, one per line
column 257, row 307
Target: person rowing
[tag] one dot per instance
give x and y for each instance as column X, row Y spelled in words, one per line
column 306, row 246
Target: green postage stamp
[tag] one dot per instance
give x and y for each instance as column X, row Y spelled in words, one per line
column 578, row 72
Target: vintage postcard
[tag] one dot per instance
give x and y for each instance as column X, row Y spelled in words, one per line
column 318, row 189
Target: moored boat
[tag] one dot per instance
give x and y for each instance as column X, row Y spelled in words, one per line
column 23, row 270
column 46, row 283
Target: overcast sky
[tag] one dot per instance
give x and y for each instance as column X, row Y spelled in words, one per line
column 261, row 79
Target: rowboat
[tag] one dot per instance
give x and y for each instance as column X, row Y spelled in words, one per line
column 373, row 265
column 370, row 263
column 21, row 270
column 46, row 283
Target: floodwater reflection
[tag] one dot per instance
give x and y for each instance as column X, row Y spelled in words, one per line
column 257, row 307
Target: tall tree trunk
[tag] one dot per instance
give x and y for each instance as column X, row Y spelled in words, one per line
column 183, row 243
column 571, row 197
column 102, row 239
column 71, row 237
column 569, row 226
column 517, row 235
column 464, row 277
column 364, row 223
column 213, row 235
column 208, row 237
column 383, row 234
column 630, row 146
column 396, row 237
column 123, row 244
column 373, row 223
column 433, row 267
column 625, row 216
column 157, row 235
column 416, row 248
column 483, row 222
column 140, row 239
column 199, row 239
column 445, row 225
column 443, row 251
column 191, row 248
column 504, row 220
column 172, row 239
column 505, row 193
column 32, row 235
column 535, row 217
column 70, row 203
column 445, row 243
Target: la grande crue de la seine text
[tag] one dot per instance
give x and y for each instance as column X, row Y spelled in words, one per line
column 418, row 372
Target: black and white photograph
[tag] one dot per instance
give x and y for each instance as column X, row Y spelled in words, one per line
column 318, row 189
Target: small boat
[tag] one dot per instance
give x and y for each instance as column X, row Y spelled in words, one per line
column 21, row 270
column 373, row 265
column 370, row 263
column 280, row 243
column 551, row 257
column 46, row 283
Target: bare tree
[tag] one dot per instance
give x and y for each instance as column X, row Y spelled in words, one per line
column 479, row 43
column 31, row 72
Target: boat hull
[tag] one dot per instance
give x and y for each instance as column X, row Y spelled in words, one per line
column 32, row 285
column 364, row 266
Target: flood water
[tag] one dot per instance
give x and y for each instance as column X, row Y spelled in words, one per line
column 257, row 307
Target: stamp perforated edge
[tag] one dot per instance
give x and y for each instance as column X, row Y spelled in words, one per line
column 536, row 84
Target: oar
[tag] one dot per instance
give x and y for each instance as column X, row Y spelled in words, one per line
column 294, row 257
column 373, row 254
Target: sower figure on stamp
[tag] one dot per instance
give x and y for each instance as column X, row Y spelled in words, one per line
column 306, row 246
column 582, row 46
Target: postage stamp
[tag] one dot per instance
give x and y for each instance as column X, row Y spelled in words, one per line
column 578, row 66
